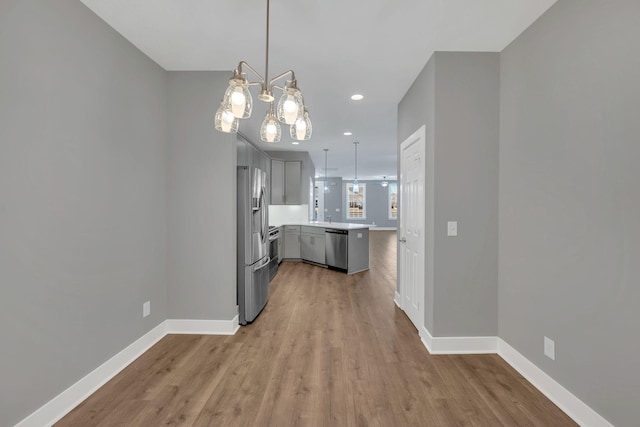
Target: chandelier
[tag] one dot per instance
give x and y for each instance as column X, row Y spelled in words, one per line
column 237, row 102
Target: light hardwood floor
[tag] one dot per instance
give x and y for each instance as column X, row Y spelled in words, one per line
column 328, row 350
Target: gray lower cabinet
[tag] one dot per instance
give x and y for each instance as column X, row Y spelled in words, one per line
column 280, row 244
column 312, row 244
column 292, row 241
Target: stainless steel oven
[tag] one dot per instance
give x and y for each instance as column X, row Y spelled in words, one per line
column 274, row 235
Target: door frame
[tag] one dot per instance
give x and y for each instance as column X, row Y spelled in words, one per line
column 427, row 236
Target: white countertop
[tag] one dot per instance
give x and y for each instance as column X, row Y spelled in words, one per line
column 334, row 225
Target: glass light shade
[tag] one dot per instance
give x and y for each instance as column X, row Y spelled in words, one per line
column 356, row 187
column 384, row 182
column 289, row 106
column 270, row 130
column 225, row 121
column 237, row 99
column 301, row 129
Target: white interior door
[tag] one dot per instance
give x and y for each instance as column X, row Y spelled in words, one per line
column 411, row 231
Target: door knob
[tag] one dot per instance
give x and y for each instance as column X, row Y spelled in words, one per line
column 402, row 240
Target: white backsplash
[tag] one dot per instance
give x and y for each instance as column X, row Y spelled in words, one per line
column 288, row 214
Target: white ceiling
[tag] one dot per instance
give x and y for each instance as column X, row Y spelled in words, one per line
column 336, row 48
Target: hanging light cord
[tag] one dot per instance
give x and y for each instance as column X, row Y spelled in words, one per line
column 266, row 65
column 356, row 144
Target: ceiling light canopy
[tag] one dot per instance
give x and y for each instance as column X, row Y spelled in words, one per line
column 237, row 103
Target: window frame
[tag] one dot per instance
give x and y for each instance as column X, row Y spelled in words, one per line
column 363, row 192
column 390, row 202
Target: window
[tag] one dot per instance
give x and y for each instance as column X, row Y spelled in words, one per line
column 356, row 202
column 393, row 200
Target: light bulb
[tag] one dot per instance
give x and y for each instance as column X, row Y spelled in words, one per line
column 356, row 187
column 237, row 98
column 270, row 129
column 225, row 121
column 301, row 130
column 238, row 101
column 290, row 105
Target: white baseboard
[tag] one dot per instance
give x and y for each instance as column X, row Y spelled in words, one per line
column 458, row 345
column 203, row 327
column 569, row 403
column 397, row 300
column 554, row 391
column 63, row 403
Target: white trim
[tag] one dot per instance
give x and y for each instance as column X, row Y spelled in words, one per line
column 63, row 403
column 203, row 327
column 569, row 403
column 52, row 411
column 398, row 300
column 376, row 228
column 458, row 345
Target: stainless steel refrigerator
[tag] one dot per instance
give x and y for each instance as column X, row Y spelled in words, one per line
column 253, row 243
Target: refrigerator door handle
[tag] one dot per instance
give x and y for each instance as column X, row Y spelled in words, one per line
column 266, row 263
column 265, row 226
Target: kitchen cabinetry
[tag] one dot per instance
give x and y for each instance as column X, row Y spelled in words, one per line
column 280, row 244
column 286, row 182
column 312, row 244
column 292, row 241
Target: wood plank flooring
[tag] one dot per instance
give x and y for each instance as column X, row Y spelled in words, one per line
column 328, row 350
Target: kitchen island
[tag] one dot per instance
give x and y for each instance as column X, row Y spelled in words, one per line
column 337, row 245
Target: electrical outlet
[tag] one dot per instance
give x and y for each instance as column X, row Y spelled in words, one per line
column 146, row 309
column 549, row 348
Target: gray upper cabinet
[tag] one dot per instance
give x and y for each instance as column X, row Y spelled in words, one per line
column 286, row 182
column 292, row 183
column 295, row 182
column 277, row 182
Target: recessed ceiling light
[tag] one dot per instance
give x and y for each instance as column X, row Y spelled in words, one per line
column 347, row 134
column 295, row 143
column 357, row 97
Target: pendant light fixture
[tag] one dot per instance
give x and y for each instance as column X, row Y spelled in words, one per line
column 356, row 187
column 237, row 102
column 384, row 182
column 326, row 182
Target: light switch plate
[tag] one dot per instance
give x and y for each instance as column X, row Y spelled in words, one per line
column 549, row 348
column 452, row 228
column 146, row 309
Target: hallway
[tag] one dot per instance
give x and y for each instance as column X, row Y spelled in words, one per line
column 328, row 350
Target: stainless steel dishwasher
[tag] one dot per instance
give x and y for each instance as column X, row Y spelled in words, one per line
column 336, row 248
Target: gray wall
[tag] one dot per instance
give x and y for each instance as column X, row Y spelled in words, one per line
column 569, row 200
column 82, row 198
column 202, row 208
column 457, row 96
column 334, row 199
